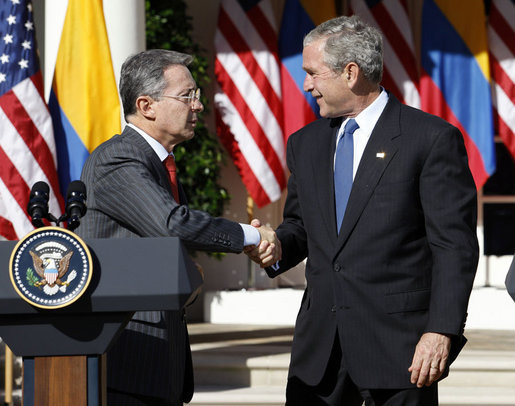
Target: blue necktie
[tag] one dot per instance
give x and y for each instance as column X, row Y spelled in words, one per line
column 343, row 170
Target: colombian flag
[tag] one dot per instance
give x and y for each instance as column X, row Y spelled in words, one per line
column 299, row 17
column 455, row 76
column 84, row 100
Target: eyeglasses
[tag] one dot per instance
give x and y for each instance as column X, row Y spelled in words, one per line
column 192, row 96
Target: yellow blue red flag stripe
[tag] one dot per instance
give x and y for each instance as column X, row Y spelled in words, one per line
column 84, row 99
column 455, row 76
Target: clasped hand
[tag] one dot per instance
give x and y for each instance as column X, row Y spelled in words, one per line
column 268, row 252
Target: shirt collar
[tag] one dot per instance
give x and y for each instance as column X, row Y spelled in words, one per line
column 368, row 118
column 161, row 151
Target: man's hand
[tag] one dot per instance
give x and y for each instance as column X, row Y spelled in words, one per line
column 268, row 252
column 430, row 359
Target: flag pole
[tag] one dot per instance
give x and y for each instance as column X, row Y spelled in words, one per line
column 8, row 395
column 251, row 282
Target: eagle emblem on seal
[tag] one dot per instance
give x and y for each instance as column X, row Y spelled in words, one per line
column 51, row 271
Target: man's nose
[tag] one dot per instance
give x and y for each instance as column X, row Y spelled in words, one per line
column 308, row 83
column 197, row 106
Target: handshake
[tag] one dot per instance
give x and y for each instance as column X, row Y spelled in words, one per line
column 268, row 252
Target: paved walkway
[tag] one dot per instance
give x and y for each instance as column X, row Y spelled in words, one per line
column 488, row 340
column 259, row 340
column 483, row 375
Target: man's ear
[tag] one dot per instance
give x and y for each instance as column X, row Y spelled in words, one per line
column 145, row 106
column 351, row 73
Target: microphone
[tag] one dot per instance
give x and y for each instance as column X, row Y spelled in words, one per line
column 75, row 203
column 38, row 203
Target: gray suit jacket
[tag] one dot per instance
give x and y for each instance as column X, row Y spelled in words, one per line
column 129, row 196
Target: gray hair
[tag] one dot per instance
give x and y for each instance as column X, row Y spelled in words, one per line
column 142, row 74
column 350, row 40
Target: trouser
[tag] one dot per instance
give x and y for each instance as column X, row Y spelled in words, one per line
column 337, row 389
column 116, row 398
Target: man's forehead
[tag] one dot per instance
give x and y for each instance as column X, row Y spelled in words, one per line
column 179, row 75
column 316, row 45
column 312, row 55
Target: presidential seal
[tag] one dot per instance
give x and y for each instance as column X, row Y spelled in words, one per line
column 50, row 267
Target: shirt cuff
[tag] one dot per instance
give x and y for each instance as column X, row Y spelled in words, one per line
column 275, row 266
column 251, row 235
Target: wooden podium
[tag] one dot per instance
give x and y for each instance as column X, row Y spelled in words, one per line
column 62, row 348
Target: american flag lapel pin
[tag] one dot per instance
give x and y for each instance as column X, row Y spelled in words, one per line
column 380, row 155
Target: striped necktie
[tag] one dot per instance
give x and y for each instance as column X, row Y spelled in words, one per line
column 343, row 170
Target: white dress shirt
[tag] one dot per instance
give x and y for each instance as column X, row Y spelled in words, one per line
column 366, row 120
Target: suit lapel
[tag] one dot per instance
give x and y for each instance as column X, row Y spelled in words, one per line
column 380, row 149
column 151, row 158
column 322, row 173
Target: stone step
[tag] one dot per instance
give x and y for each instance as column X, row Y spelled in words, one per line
column 248, row 367
column 479, row 368
column 244, row 359
column 240, row 355
column 476, row 396
column 274, row 396
column 238, row 396
column 234, row 367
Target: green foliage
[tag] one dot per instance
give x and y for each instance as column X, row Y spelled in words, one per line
column 31, row 278
column 198, row 160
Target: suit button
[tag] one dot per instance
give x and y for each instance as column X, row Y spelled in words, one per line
column 333, row 309
column 337, row 268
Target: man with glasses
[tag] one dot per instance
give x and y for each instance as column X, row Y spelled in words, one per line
column 133, row 192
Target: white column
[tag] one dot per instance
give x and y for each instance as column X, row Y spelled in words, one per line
column 125, row 23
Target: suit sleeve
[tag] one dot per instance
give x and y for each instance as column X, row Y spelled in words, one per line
column 291, row 232
column 124, row 188
column 449, row 202
column 510, row 279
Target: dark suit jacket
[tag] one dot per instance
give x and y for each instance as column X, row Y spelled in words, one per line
column 405, row 259
column 129, row 196
column 510, row 279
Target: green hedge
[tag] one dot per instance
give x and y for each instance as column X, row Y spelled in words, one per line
column 198, row 160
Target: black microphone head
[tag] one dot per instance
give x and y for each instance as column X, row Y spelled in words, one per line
column 40, row 188
column 38, row 203
column 76, row 188
column 76, row 200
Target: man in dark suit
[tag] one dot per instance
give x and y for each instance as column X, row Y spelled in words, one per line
column 131, row 194
column 388, row 285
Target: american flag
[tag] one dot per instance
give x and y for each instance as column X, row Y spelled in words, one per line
column 248, row 103
column 501, row 38
column 400, row 74
column 27, row 146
